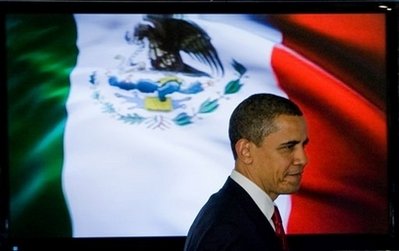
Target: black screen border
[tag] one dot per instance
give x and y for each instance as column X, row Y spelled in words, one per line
column 300, row 242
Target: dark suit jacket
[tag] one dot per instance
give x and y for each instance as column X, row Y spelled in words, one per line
column 230, row 220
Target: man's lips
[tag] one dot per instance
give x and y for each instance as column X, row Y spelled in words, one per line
column 299, row 173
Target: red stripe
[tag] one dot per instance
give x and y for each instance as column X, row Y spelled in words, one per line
column 345, row 184
column 349, row 46
column 362, row 31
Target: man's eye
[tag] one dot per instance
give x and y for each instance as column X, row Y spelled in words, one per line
column 288, row 147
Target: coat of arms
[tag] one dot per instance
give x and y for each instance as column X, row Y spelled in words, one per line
column 173, row 76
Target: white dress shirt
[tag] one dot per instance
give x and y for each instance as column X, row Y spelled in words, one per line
column 262, row 200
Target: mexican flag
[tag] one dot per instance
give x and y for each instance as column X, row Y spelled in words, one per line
column 108, row 137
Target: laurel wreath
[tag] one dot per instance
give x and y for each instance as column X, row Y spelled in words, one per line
column 183, row 118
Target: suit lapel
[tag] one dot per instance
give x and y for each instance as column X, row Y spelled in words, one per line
column 249, row 205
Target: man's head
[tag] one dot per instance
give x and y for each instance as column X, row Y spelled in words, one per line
column 268, row 134
column 253, row 118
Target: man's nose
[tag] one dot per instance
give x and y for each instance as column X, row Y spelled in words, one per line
column 301, row 157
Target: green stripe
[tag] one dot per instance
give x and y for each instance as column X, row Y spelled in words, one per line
column 41, row 52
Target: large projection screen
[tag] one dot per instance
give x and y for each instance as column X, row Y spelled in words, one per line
column 118, row 122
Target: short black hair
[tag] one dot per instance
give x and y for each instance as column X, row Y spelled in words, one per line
column 253, row 118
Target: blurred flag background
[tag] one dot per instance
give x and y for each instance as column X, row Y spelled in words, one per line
column 91, row 154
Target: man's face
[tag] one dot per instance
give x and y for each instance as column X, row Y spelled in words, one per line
column 279, row 161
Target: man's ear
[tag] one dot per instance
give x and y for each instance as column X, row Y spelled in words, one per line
column 243, row 151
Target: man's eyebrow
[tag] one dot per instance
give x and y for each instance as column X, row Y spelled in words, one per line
column 295, row 142
column 290, row 143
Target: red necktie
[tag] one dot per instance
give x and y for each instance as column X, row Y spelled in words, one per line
column 280, row 229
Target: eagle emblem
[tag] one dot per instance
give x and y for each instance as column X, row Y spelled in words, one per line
column 155, row 85
column 168, row 36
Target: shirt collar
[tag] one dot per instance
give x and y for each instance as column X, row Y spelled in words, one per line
column 262, row 200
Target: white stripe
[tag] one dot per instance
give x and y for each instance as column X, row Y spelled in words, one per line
column 125, row 179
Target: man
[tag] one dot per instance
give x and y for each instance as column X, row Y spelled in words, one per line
column 268, row 135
